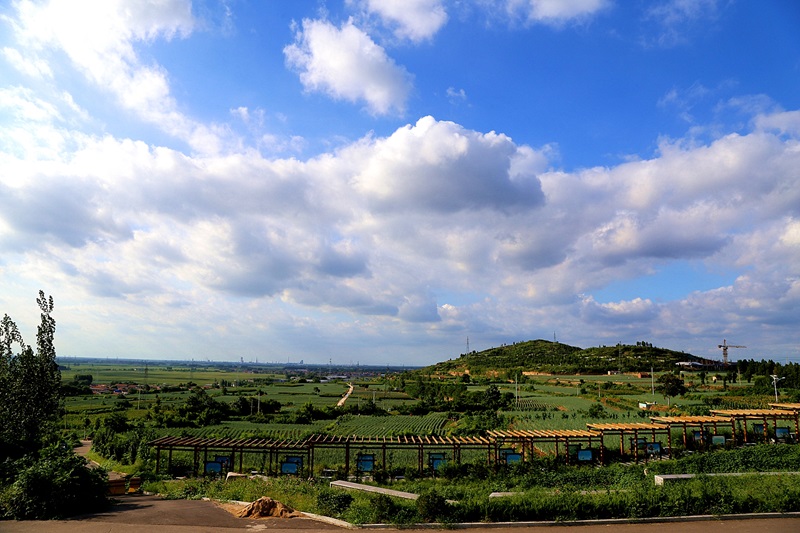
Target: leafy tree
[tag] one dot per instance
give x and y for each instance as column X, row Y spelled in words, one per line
column 307, row 413
column 202, row 410
column 116, row 422
column 30, row 385
column 40, row 478
column 761, row 385
column 670, row 386
column 596, row 410
column 492, row 398
column 75, row 388
column 9, row 336
column 479, row 423
column 245, row 406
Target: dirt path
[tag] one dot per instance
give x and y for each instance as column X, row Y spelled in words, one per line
column 346, row 396
column 83, row 451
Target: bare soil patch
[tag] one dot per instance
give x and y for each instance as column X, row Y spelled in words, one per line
column 263, row 507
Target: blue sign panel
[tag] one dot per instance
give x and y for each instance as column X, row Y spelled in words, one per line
column 213, row 467
column 585, row 455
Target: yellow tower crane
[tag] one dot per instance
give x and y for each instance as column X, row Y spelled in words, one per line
column 725, row 347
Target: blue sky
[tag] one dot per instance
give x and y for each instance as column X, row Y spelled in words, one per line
column 376, row 181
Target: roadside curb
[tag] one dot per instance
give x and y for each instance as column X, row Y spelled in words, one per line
column 601, row 522
column 332, row 521
column 542, row 523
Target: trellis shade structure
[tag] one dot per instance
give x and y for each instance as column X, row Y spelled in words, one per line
column 686, row 422
column 420, row 444
column 785, row 406
column 635, row 431
column 231, row 448
column 760, row 415
column 272, row 449
column 526, row 440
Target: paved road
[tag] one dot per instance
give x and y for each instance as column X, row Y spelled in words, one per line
column 150, row 514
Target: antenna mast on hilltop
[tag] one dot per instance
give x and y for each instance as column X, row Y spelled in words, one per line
column 467, row 352
column 725, row 347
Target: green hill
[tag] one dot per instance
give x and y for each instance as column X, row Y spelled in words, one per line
column 557, row 358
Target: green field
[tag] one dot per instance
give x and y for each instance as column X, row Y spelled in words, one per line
column 539, row 402
column 153, row 375
column 565, row 398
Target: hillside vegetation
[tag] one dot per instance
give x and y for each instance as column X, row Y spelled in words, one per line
column 514, row 360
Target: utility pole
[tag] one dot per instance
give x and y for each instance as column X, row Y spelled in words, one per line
column 652, row 380
column 775, row 380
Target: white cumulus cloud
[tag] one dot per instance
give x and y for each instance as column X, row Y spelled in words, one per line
column 346, row 64
column 100, row 38
column 554, row 12
column 415, row 20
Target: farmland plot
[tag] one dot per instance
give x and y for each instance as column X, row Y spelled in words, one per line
column 389, row 426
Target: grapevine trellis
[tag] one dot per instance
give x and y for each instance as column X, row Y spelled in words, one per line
column 432, row 424
column 528, row 404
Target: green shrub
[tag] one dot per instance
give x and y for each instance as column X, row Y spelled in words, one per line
column 761, row 458
column 57, row 484
column 385, row 508
column 333, row 502
column 432, row 506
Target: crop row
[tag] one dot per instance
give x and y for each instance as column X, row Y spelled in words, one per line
column 361, row 425
column 389, row 426
column 260, row 431
column 527, row 404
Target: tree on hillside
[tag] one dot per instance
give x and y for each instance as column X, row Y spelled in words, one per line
column 670, row 386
